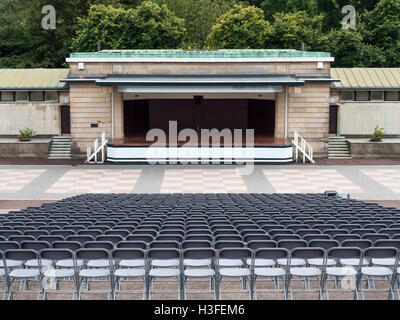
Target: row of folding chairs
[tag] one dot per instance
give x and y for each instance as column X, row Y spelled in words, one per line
column 250, row 266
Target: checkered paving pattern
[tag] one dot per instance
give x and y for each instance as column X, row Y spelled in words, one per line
column 203, row 181
column 96, row 181
column 390, row 178
column 310, row 181
column 13, row 180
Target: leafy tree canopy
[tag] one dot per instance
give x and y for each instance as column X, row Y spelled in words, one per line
column 240, row 28
column 147, row 26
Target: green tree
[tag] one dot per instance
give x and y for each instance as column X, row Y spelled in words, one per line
column 292, row 29
column 271, row 7
column 109, row 26
column 332, row 10
column 146, row 27
column 240, row 28
column 341, row 42
column 199, row 16
column 23, row 41
column 381, row 27
column 157, row 27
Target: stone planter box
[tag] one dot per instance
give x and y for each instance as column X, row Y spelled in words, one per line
column 386, row 148
column 14, row 148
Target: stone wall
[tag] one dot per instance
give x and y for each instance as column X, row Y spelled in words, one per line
column 44, row 117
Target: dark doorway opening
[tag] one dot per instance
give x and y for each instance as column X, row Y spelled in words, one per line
column 65, row 120
column 143, row 115
column 333, row 119
column 261, row 116
column 136, row 116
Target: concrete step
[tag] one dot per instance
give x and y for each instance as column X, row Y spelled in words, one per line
column 340, row 157
column 56, row 153
column 338, row 147
column 59, row 158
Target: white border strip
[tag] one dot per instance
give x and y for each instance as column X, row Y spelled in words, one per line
column 200, row 60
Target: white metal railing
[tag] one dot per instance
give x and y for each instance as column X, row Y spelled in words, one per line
column 300, row 144
column 92, row 157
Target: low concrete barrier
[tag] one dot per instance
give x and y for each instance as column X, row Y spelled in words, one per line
column 13, row 148
column 367, row 149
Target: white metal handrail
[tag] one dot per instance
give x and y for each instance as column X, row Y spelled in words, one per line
column 97, row 149
column 300, row 144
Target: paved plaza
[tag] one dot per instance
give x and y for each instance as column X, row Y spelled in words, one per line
column 47, row 182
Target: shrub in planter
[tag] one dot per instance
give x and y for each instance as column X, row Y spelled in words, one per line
column 26, row 134
column 377, row 134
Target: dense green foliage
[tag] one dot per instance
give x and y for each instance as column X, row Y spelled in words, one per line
column 152, row 24
column 146, row 26
column 240, row 28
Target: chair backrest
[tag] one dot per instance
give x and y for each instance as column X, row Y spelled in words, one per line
column 128, row 253
column 92, row 254
column 56, row 254
column 254, row 237
column 19, row 255
column 235, row 253
column 7, row 245
column 325, row 244
column 107, row 245
column 381, row 252
column 311, row 237
column 280, row 237
column 228, row 237
column 35, row 245
column 344, row 237
column 138, row 237
column 169, row 237
column 272, row 253
column 20, row 239
column 164, row 244
column 228, row 244
column 36, row 233
column 132, row 245
column 195, row 244
column 344, row 253
column 62, row 233
column 308, row 253
column 292, row 244
column 261, row 244
column 113, row 239
column 70, row 245
column 80, row 239
column 199, row 237
column 395, row 243
column 199, row 253
column 163, row 254
column 362, row 244
column 91, row 232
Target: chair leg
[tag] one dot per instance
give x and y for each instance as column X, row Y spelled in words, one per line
column 39, row 288
column 326, row 288
column 321, row 296
column 255, row 288
column 80, row 289
column 5, row 289
column 220, row 288
column 10, row 293
column 391, row 293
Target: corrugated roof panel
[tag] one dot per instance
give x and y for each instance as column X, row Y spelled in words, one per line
column 366, row 78
column 20, row 79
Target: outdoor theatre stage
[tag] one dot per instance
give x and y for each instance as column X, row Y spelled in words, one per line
column 136, row 149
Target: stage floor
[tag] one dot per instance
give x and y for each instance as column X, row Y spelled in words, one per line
column 139, row 140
